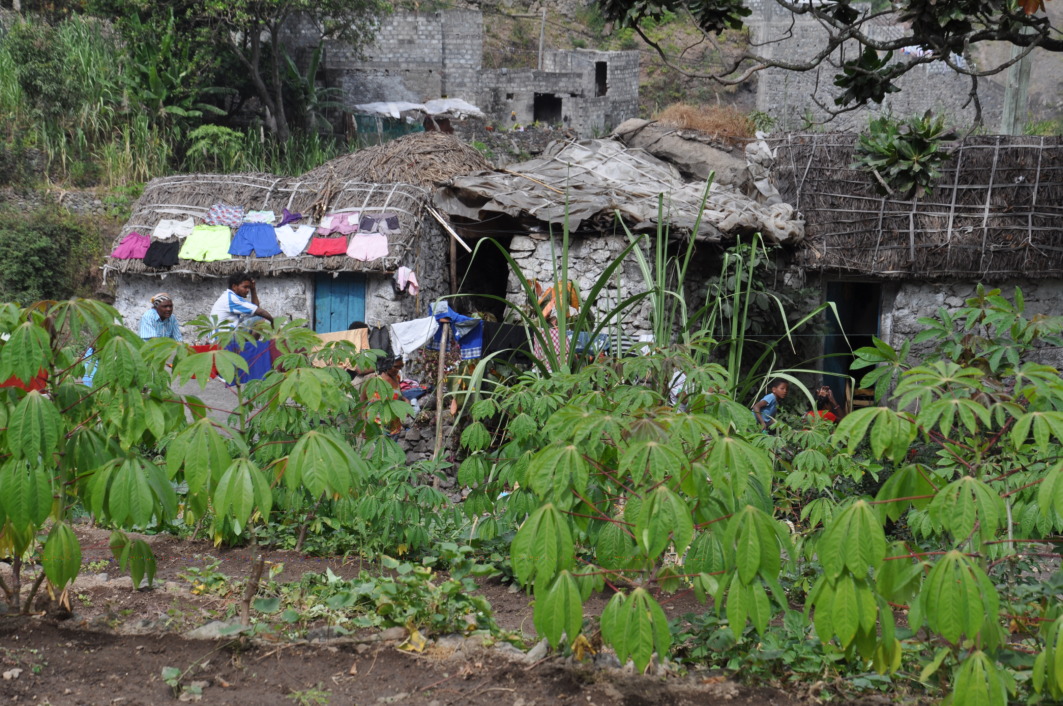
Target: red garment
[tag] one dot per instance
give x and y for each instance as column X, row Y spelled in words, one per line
column 825, row 414
column 206, row 349
column 327, row 247
column 35, row 384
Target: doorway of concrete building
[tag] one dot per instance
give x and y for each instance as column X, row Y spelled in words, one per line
column 483, row 275
column 859, row 308
column 338, row 301
column 547, row 109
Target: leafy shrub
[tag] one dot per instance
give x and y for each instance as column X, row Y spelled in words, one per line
column 47, row 254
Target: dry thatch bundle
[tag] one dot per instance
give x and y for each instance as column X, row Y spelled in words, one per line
column 722, row 121
column 193, row 195
column 424, row 159
column 995, row 213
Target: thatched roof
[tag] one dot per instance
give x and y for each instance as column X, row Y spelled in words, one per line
column 423, row 158
column 995, row 213
column 193, row 194
column 585, row 184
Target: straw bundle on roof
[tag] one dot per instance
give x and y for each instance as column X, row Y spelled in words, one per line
column 995, row 213
column 194, row 194
column 423, row 158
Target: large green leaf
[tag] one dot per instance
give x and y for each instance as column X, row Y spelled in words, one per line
column 957, row 598
column 235, row 496
column 34, row 428
column 199, row 366
column 120, row 363
column 731, row 461
column 61, row 557
column 25, row 494
column 556, row 472
column 1048, row 668
column 890, row 433
column 853, row 541
column 752, row 546
column 130, row 500
column 636, row 627
column 909, row 486
column 651, row 457
column 559, row 610
column 706, row 555
column 614, row 548
column 202, row 453
column 542, row 547
column 25, row 353
column 664, row 518
column 979, row 683
column 1045, row 425
column 322, row 463
column 1050, row 496
column 968, row 504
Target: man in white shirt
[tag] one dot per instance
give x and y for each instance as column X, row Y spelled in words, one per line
column 237, row 307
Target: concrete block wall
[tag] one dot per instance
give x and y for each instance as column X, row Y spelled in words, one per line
column 787, row 96
column 416, row 57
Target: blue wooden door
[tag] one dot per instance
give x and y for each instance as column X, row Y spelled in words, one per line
column 338, row 301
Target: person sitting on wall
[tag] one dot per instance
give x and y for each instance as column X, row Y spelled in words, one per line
column 159, row 321
column 826, row 406
column 238, row 307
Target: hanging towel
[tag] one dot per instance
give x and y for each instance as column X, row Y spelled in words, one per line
column 289, row 217
column 170, row 228
column 368, row 247
column 222, row 214
column 406, row 281
column 408, row 336
column 260, row 217
column 133, row 247
column 293, row 240
column 468, row 331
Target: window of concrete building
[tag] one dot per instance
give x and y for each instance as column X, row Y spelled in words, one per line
column 601, row 78
column 509, row 96
column 547, row 109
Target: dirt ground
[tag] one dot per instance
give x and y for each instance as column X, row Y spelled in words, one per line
column 114, row 647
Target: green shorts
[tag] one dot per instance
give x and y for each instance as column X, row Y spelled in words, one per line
column 207, row 244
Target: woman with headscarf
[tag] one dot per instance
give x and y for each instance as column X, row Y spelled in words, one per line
column 159, row 321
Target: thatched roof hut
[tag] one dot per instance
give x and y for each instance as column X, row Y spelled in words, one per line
column 996, row 212
column 395, row 177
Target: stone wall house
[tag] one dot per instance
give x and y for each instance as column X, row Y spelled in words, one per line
column 993, row 217
column 328, row 292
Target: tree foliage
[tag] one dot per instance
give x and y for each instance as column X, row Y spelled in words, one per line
column 941, row 32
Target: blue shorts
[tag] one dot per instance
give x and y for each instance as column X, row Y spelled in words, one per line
column 259, row 237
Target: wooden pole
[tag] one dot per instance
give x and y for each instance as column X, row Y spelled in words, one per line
column 444, row 335
column 453, row 266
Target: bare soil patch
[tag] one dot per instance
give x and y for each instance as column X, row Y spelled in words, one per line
column 115, row 646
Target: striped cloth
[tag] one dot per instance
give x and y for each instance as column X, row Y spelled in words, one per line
column 151, row 326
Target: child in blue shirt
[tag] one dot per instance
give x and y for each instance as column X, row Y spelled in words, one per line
column 766, row 409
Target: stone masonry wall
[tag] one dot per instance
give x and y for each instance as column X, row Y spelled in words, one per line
column 903, row 303
column 588, row 258
column 293, row 295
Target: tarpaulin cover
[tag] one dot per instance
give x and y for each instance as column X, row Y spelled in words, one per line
column 592, row 180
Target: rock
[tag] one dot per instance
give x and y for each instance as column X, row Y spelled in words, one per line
column 538, row 652
column 322, row 634
column 606, row 660
column 103, row 577
column 393, row 634
column 210, row 631
column 690, row 155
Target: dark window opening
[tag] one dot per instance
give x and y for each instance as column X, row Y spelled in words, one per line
column 547, row 109
column 509, row 96
column 858, row 310
column 601, row 78
column 485, row 274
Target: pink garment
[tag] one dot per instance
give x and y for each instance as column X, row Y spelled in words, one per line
column 368, row 246
column 132, row 247
column 554, row 338
column 406, row 280
column 344, row 223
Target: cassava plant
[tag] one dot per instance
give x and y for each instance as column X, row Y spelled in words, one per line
column 136, row 455
column 611, row 487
